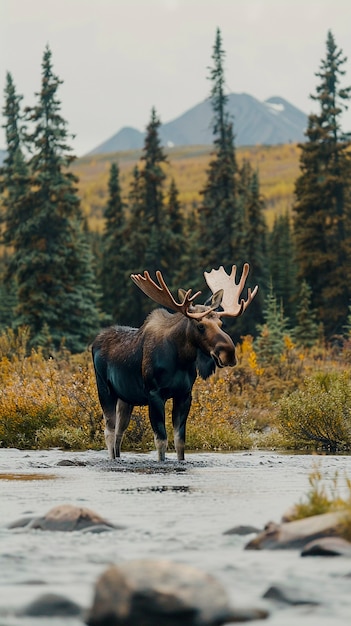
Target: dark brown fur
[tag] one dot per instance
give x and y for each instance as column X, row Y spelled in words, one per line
column 148, row 365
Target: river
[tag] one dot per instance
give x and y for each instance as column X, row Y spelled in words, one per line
column 177, row 511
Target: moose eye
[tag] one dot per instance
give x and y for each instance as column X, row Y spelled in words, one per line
column 201, row 327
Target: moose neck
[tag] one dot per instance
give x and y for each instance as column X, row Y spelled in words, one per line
column 174, row 327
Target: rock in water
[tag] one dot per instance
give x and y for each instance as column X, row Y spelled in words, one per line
column 243, row 530
column 66, row 517
column 328, row 546
column 289, row 595
column 51, row 605
column 295, row 535
column 151, row 593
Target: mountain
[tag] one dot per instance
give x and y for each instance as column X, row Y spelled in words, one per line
column 273, row 121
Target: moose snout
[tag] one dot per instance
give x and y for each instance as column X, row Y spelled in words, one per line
column 224, row 355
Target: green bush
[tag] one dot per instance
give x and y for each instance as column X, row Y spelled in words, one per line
column 319, row 414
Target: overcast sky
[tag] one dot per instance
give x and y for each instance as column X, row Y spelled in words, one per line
column 119, row 58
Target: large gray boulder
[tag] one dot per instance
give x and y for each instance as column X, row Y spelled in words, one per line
column 161, row 593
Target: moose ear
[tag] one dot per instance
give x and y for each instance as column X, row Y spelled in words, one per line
column 215, row 301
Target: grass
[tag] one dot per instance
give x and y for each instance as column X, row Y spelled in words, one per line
column 322, row 498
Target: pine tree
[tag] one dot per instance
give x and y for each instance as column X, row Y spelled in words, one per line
column 15, row 184
column 243, row 200
column 306, row 328
column 14, row 187
column 133, row 305
column 174, row 225
column 282, row 263
column 270, row 343
column 220, row 228
column 8, row 295
column 323, row 198
column 148, row 237
column 152, row 179
column 254, row 244
column 112, row 271
column 191, row 274
column 56, row 287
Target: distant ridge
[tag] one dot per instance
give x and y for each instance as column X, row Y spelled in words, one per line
column 274, row 121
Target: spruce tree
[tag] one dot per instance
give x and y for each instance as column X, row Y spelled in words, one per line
column 133, row 302
column 254, row 244
column 174, row 224
column 112, row 270
column 270, row 343
column 323, row 198
column 243, row 200
column 15, row 185
column 282, row 263
column 153, row 178
column 191, row 274
column 57, row 293
column 148, row 237
column 220, row 226
column 8, row 295
column 306, row 328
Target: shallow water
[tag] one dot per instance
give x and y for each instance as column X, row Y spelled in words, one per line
column 177, row 511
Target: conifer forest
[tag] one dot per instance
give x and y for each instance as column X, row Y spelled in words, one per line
column 62, row 281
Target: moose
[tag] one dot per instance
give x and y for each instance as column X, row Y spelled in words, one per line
column 146, row 366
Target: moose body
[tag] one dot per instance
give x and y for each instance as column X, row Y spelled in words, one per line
column 159, row 361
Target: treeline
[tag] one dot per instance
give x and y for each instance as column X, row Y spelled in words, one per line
column 64, row 282
column 278, row 167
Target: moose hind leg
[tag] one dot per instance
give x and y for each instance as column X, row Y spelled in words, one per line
column 123, row 413
column 110, row 433
column 108, row 402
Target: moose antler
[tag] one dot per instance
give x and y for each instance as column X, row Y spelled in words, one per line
column 219, row 279
column 162, row 295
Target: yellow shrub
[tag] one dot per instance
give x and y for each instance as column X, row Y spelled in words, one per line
column 53, row 401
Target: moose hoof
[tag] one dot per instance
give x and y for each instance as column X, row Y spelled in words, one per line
column 161, row 450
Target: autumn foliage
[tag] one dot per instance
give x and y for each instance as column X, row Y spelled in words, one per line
column 51, row 401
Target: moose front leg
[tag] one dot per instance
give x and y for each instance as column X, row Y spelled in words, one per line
column 123, row 413
column 157, row 419
column 180, row 412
